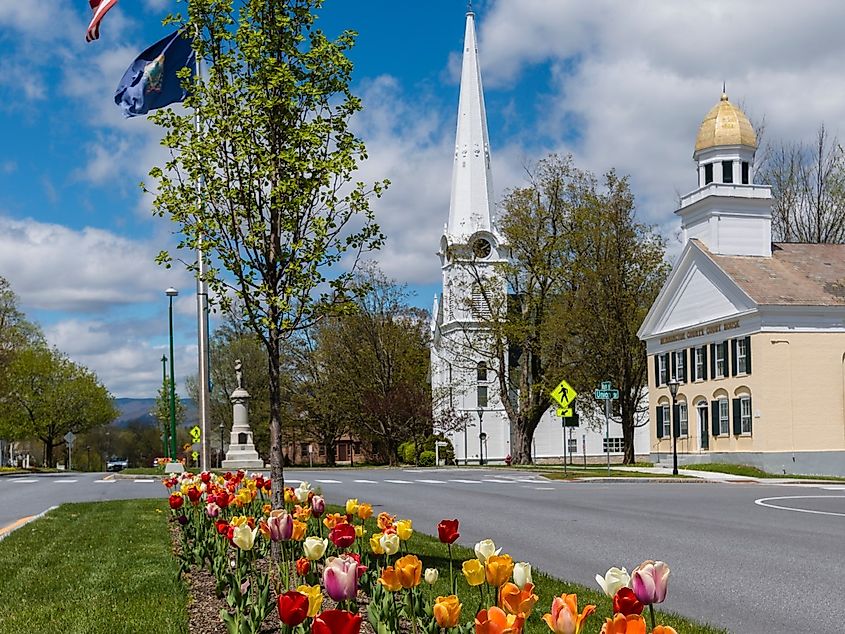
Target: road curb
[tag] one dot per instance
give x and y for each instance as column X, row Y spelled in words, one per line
column 134, row 476
column 28, row 520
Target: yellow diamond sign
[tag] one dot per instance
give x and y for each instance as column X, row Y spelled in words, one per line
column 563, row 394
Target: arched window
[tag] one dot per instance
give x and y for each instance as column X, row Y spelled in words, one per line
column 481, row 371
column 481, row 378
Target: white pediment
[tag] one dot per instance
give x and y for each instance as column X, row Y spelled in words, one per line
column 696, row 292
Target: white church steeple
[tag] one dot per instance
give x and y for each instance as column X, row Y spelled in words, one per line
column 472, row 188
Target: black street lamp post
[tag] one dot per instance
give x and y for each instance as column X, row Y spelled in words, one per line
column 673, row 390
column 481, row 437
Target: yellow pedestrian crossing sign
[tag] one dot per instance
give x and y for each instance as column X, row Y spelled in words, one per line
column 563, row 394
column 565, row 413
column 196, row 433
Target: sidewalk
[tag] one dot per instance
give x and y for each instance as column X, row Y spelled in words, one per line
column 713, row 476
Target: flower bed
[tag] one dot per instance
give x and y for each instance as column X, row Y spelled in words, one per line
column 334, row 572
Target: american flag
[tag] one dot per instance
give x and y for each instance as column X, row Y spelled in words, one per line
column 100, row 8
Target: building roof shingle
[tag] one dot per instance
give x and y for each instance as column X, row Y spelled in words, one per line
column 795, row 275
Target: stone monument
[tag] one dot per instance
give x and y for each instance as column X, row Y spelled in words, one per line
column 242, row 453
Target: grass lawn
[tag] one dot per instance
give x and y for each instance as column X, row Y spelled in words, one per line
column 159, row 471
column 94, row 568
column 754, row 472
column 434, row 554
column 574, row 473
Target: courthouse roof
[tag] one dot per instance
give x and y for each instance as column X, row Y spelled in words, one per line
column 795, row 275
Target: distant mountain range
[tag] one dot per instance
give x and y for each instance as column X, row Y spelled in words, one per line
column 138, row 409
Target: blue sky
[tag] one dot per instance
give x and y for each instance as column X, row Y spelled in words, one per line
column 620, row 85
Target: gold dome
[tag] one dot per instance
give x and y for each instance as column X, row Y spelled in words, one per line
column 725, row 124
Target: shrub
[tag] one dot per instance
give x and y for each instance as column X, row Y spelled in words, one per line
column 408, row 452
column 447, row 453
column 427, row 459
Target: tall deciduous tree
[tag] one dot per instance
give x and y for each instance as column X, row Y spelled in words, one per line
column 162, row 410
column 49, row 396
column 276, row 158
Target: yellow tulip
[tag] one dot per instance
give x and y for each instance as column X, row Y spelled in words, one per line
column 375, row 544
column 447, row 611
column 243, row 537
column 409, row 569
column 351, row 506
column 404, row 529
column 315, row 598
column 498, row 569
column 390, row 579
column 360, row 531
column 474, row 572
column 298, row 533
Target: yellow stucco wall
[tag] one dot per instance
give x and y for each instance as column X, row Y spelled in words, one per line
column 797, row 387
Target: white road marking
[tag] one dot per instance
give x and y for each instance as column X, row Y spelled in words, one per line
column 467, row 481
column 365, row 481
column 834, row 488
column 24, row 480
column 292, row 481
column 431, row 481
column 764, row 502
column 65, row 481
column 498, row 481
column 104, row 481
column 328, row 481
column 143, row 480
column 544, row 488
column 399, row 481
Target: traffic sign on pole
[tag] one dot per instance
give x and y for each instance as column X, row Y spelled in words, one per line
column 606, row 395
column 563, row 394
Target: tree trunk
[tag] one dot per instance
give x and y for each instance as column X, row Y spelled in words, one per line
column 331, row 451
column 48, row 453
column 521, row 443
column 276, row 465
column 628, row 435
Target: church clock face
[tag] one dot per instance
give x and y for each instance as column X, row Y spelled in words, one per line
column 482, row 248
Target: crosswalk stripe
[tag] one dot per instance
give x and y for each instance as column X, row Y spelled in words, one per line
column 398, row 481
column 431, row 481
column 365, row 481
column 494, row 480
column 467, row 481
column 24, row 480
column 544, row 488
column 328, row 481
column 104, row 481
column 64, row 481
column 143, row 480
column 292, row 481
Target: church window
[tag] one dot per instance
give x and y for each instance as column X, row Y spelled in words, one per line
column 482, row 396
column 708, row 173
column 727, row 172
column 746, row 173
column 481, row 371
column 480, row 307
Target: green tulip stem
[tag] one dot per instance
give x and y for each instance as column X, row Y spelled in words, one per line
column 451, row 574
column 413, row 611
column 651, row 613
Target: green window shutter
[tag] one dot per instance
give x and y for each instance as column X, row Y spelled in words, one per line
column 685, row 352
column 674, row 366
column 704, row 351
column 714, row 416
column 737, row 417
column 713, row 360
column 659, row 413
column 733, row 357
column 748, row 355
column 656, row 370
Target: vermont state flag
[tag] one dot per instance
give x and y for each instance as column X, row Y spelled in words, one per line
column 151, row 81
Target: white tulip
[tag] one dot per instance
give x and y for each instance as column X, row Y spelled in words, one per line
column 314, row 547
column 522, row 574
column 614, row 579
column 302, row 492
column 389, row 543
column 431, row 576
column 486, row 548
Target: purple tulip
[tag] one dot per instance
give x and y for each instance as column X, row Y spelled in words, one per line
column 318, row 505
column 280, row 524
column 649, row 581
column 182, row 519
column 340, row 577
column 212, row 510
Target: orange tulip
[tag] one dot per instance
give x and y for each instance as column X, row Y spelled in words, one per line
column 302, row 513
column 409, row 569
column 389, row 579
column 621, row 624
column 515, row 601
column 564, row 618
column 298, row 533
column 495, row 621
column 447, row 611
column 664, row 629
column 365, row 511
column 333, row 519
column 385, row 520
column 498, row 569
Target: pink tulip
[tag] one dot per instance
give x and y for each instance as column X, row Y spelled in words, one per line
column 212, row 510
column 649, row 581
column 340, row 577
column 280, row 524
column 318, row 505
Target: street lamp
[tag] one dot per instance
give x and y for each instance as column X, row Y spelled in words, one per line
column 171, row 293
column 673, row 390
column 481, row 437
column 164, row 435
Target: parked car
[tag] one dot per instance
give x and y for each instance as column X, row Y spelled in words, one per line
column 117, row 464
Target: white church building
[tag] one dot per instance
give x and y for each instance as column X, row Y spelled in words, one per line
column 463, row 373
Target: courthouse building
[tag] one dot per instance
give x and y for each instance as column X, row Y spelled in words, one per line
column 753, row 331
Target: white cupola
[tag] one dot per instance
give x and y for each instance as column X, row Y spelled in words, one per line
column 727, row 212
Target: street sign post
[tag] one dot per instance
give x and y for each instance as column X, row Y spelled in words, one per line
column 69, row 440
column 563, row 394
column 607, row 394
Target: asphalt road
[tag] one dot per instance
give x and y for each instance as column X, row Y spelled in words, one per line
column 770, row 566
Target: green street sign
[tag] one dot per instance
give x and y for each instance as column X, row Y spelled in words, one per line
column 606, row 395
column 605, row 385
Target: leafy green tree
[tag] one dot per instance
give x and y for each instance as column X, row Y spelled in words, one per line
column 50, row 395
column 278, row 214
column 161, row 412
column 16, row 331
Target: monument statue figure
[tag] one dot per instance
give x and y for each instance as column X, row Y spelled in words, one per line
column 242, row 453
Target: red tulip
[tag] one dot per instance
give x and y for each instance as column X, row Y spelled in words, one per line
column 222, row 527
column 447, row 531
column 194, row 494
column 336, row 622
column 342, row 535
column 205, row 476
column 303, row 566
column 176, row 501
column 626, row 602
column 293, row 608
